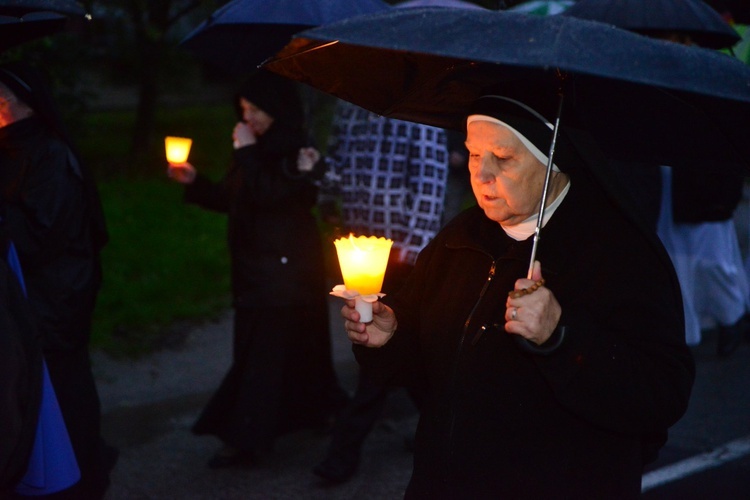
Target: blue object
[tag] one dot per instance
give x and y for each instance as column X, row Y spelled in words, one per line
column 243, row 33
column 21, row 7
column 52, row 466
column 15, row 265
column 691, row 17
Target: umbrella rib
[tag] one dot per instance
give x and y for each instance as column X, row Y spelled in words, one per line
column 548, row 175
column 276, row 59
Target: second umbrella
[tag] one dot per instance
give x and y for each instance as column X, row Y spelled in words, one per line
column 652, row 17
column 243, row 33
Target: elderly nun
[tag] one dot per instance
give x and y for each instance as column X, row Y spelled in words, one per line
column 560, row 382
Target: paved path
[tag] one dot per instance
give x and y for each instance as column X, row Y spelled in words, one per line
column 149, row 405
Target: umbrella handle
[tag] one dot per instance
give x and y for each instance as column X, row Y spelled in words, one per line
column 548, row 175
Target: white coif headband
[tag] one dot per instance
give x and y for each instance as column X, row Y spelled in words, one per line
column 529, row 145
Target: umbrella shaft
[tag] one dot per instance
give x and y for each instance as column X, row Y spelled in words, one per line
column 547, row 177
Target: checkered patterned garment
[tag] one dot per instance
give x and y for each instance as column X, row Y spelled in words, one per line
column 390, row 176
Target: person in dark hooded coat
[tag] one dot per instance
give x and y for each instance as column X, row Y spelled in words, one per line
column 282, row 375
column 52, row 213
column 560, row 383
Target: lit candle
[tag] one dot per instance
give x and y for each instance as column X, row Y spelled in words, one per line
column 363, row 261
column 178, row 149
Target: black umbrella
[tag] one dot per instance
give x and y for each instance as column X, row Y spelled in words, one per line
column 21, row 7
column 654, row 17
column 641, row 99
column 456, row 4
column 635, row 98
column 17, row 30
column 243, row 33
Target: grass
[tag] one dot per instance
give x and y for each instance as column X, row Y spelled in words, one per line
column 166, row 261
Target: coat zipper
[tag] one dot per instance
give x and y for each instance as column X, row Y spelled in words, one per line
column 454, row 375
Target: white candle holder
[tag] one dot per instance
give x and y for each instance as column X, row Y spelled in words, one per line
column 362, row 303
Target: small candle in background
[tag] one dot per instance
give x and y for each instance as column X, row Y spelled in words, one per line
column 177, row 148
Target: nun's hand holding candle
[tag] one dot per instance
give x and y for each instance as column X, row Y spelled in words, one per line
column 373, row 334
column 184, row 173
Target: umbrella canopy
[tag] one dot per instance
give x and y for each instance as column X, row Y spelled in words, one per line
column 542, row 7
column 639, row 99
column 456, row 4
column 243, row 33
column 21, row 7
column 17, row 30
column 653, row 17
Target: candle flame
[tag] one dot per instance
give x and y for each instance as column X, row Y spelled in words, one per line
column 363, row 261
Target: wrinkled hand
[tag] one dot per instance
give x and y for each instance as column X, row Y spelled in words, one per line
column 243, row 135
column 533, row 316
column 184, row 173
column 374, row 334
column 307, row 158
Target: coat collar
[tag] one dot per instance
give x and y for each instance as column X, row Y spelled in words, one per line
column 473, row 230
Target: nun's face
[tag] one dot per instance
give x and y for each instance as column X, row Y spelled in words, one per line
column 256, row 118
column 506, row 178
